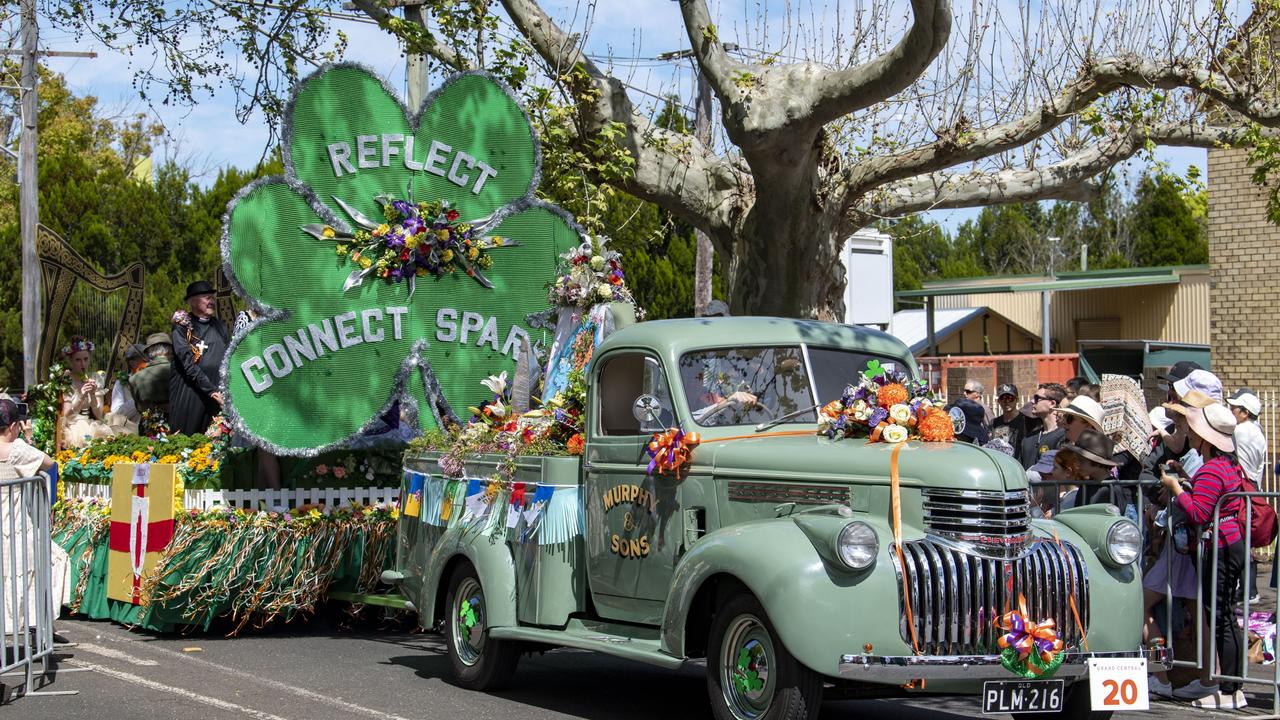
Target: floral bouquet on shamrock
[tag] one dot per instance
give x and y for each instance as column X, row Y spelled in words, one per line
column 416, row 240
column 886, row 406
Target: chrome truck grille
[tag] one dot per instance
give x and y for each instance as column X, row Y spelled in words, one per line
column 957, row 597
column 994, row 524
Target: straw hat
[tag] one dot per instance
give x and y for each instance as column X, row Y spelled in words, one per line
column 1215, row 424
column 1192, row 400
column 1087, row 409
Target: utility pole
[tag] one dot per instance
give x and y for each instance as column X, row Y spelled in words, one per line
column 701, row 131
column 28, row 197
column 415, row 66
column 706, row 253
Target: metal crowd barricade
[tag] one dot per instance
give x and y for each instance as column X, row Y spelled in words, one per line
column 1201, row 625
column 1246, row 677
column 26, row 623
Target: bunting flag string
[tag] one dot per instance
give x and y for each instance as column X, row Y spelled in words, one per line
column 541, row 512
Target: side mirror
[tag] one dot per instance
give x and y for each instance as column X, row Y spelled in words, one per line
column 647, row 409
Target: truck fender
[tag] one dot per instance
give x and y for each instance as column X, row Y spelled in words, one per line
column 492, row 560
column 811, row 600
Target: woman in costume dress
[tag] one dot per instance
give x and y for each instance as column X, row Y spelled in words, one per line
column 83, row 414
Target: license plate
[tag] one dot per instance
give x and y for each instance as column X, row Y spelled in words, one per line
column 1022, row 696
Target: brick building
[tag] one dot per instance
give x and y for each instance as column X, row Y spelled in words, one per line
column 1244, row 323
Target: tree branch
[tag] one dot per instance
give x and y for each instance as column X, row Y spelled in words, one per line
column 959, row 145
column 723, row 72
column 839, row 93
column 671, row 169
column 422, row 42
column 1068, row 179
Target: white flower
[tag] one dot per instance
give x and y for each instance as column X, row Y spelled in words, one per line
column 597, row 263
column 604, row 292
column 925, row 404
column 498, row 409
column 894, row 434
column 900, row 413
column 497, row 384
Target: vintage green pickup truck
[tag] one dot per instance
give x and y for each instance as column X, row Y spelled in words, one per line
column 772, row 555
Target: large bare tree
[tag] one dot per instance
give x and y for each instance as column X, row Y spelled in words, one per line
column 849, row 113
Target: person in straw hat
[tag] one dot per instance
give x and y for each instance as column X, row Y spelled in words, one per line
column 1080, row 413
column 1209, row 432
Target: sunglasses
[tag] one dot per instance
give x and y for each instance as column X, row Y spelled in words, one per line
column 1038, row 397
column 1068, row 419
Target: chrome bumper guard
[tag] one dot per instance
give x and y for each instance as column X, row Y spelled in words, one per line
column 905, row 668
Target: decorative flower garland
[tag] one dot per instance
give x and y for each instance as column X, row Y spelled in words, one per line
column 46, row 406
column 199, row 461
column 78, row 345
column 886, row 406
column 592, row 274
column 416, row 240
column 182, row 319
column 1028, row 649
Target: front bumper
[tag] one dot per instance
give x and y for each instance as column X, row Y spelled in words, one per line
column 899, row 669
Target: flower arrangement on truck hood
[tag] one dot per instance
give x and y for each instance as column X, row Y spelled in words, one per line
column 886, row 406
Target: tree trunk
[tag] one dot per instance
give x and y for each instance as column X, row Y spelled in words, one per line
column 784, row 258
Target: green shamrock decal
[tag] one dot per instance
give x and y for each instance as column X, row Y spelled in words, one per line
column 397, row 259
column 467, row 617
column 746, row 675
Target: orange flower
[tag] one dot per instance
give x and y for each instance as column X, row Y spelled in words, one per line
column 575, row 444
column 890, row 395
column 936, row 426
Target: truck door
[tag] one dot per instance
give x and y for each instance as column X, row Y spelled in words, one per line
column 633, row 519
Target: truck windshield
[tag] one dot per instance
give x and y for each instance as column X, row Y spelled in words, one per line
column 742, row 386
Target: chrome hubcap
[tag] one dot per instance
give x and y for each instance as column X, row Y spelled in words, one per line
column 746, row 664
column 469, row 622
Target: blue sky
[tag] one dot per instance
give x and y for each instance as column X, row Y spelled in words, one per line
column 208, row 136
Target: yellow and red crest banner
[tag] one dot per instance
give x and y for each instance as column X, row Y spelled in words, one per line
column 141, row 525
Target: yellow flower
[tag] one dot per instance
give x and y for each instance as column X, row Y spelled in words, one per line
column 421, row 272
column 412, row 241
column 442, row 234
column 342, row 249
column 168, row 460
column 327, row 232
column 498, row 241
column 473, row 253
column 179, row 493
column 365, row 262
column 446, row 256
column 395, row 513
column 381, row 230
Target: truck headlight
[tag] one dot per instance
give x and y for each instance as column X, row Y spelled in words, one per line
column 857, row 545
column 1124, row 542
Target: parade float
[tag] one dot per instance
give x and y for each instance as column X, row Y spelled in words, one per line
column 780, row 497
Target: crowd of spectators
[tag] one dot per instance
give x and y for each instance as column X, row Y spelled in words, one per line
column 1164, row 467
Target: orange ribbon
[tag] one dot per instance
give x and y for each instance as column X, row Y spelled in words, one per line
column 895, row 496
column 1071, row 595
column 671, row 451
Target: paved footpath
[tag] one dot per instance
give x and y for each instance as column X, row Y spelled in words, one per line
column 320, row 670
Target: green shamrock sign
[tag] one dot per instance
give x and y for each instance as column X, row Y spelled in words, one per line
column 397, row 259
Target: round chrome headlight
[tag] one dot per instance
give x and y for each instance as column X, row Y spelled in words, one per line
column 1124, row 542
column 857, row 545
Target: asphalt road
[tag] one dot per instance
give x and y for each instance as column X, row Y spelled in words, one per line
column 329, row 668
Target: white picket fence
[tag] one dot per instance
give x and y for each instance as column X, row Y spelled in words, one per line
column 254, row 499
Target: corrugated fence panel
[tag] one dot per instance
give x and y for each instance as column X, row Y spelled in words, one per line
column 1170, row 313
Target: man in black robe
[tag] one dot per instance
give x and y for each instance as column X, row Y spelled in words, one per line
column 198, row 348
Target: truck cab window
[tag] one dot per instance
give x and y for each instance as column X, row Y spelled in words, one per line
column 747, row 385
column 625, row 379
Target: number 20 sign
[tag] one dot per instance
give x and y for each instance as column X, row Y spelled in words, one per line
column 1119, row 684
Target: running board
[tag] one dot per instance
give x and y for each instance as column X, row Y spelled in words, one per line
column 638, row 649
